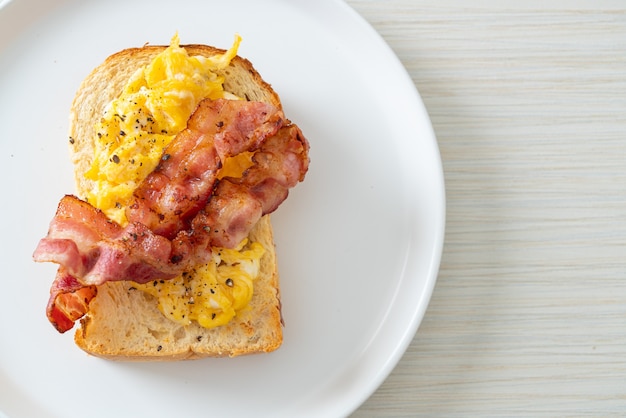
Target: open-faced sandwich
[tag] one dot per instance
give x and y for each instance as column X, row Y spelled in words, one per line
column 165, row 249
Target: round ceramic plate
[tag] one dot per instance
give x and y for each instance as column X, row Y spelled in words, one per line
column 358, row 242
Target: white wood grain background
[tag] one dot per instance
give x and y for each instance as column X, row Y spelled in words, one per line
column 528, row 102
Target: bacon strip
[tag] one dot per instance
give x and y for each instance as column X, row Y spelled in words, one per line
column 180, row 210
column 171, row 196
column 69, row 301
column 94, row 249
column 238, row 203
column 89, row 246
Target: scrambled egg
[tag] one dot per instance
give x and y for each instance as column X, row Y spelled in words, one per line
column 211, row 294
column 153, row 107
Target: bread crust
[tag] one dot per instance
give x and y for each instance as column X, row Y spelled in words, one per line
column 124, row 323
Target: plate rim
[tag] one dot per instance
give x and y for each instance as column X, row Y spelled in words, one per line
column 437, row 249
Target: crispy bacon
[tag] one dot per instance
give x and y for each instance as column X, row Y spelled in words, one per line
column 69, row 301
column 238, row 203
column 94, row 249
column 91, row 249
column 180, row 210
column 171, row 196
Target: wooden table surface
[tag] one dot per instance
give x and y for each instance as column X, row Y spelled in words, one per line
column 528, row 102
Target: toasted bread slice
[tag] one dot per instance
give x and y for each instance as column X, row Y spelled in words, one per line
column 125, row 324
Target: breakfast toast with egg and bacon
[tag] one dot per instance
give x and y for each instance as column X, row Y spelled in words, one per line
column 166, row 252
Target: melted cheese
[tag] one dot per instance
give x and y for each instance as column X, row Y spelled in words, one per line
column 153, row 107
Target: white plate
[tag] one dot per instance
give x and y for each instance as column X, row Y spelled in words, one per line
column 359, row 241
